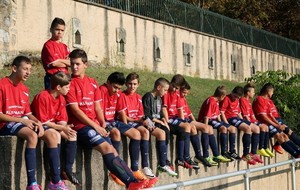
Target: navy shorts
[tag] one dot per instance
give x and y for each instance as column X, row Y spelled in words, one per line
column 11, row 128
column 235, row 121
column 175, row 121
column 187, row 120
column 217, row 124
column 273, row 130
column 175, row 129
column 135, row 124
column 89, row 137
column 122, row 127
column 280, row 121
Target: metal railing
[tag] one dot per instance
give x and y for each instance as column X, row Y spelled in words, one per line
column 246, row 173
column 189, row 16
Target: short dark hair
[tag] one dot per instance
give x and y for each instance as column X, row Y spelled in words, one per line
column 247, row 88
column 185, row 86
column 132, row 76
column 19, row 59
column 178, row 80
column 238, row 91
column 220, row 91
column 266, row 88
column 161, row 82
column 57, row 21
column 59, row 78
column 116, row 78
column 79, row 53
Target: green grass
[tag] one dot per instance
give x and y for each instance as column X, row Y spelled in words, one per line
column 201, row 88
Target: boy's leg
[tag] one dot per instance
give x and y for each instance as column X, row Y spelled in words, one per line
column 144, row 145
column 115, row 136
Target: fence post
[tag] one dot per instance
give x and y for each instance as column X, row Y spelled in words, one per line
column 179, row 185
column 247, row 181
column 293, row 175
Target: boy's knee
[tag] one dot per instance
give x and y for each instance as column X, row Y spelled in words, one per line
column 223, row 129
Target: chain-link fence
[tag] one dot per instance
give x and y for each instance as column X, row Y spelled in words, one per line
column 189, row 16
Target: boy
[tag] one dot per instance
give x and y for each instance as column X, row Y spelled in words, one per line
column 230, row 113
column 209, row 114
column 55, row 53
column 247, row 113
column 49, row 106
column 207, row 136
column 114, row 107
column 85, row 113
column 135, row 117
column 152, row 104
column 172, row 110
column 16, row 119
column 264, row 111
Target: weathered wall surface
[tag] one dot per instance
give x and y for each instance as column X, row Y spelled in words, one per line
column 101, row 28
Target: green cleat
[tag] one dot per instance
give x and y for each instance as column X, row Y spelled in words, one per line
column 211, row 161
column 221, row 158
column 270, row 152
column 263, row 152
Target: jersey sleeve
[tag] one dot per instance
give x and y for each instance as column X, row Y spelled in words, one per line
column 165, row 99
column 71, row 96
column 208, row 109
column 62, row 116
column 121, row 104
column 224, row 104
column 141, row 109
column 259, row 106
column 244, row 107
column 40, row 109
column 27, row 108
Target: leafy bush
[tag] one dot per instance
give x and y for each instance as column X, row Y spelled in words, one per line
column 286, row 95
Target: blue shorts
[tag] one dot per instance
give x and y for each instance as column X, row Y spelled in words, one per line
column 89, row 137
column 280, row 121
column 217, row 124
column 122, row 127
column 11, row 128
column 273, row 130
column 235, row 121
column 175, row 121
column 135, row 124
column 187, row 120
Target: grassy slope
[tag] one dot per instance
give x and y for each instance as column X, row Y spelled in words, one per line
column 201, row 88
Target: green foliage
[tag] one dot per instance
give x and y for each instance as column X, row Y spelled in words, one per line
column 286, row 95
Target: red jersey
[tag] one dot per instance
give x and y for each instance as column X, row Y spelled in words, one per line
column 273, row 110
column 111, row 104
column 171, row 101
column 246, row 109
column 46, row 108
column 134, row 105
column 85, row 93
column 14, row 99
column 229, row 107
column 52, row 51
column 186, row 109
column 260, row 107
column 210, row 108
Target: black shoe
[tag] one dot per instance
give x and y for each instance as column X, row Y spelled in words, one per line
column 71, row 177
column 227, row 155
column 193, row 164
column 234, row 156
column 202, row 160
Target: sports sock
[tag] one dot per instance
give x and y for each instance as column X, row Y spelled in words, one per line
column 213, row 145
column 187, row 146
column 116, row 145
column 71, row 147
column 254, row 142
column 196, row 145
column 223, row 142
column 134, row 151
column 145, row 152
column 162, row 152
column 54, row 164
column 30, row 160
column 295, row 138
column 180, row 149
column 246, row 143
column 286, row 146
column 294, row 146
column 267, row 138
column 262, row 136
column 232, row 142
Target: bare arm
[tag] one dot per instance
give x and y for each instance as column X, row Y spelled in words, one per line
column 223, row 117
column 61, row 63
column 165, row 113
column 100, row 114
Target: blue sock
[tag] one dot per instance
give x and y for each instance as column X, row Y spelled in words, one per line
column 180, row 149
column 116, row 145
column 254, row 142
column 71, row 147
column 223, row 142
column 232, row 142
column 196, row 145
column 187, row 146
column 267, row 138
column 262, row 136
column 213, row 145
column 134, row 152
column 162, row 153
column 294, row 146
column 286, row 146
column 118, row 167
column 295, row 138
column 205, row 144
column 145, row 152
column 246, row 143
column 54, row 164
column 30, row 160
column 58, row 148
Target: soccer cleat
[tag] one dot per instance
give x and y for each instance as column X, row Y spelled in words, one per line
column 116, row 179
column 193, row 164
column 139, row 175
column 202, row 160
column 148, row 172
column 256, row 158
column 137, row 185
column 168, row 162
column 227, row 155
column 211, row 161
column 152, row 182
column 247, row 158
column 270, row 152
column 34, row 186
column 167, row 169
column 263, row 152
column 278, row 149
column 58, row 186
column 184, row 164
column 234, row 155
column 221, row 158
column 71, row 177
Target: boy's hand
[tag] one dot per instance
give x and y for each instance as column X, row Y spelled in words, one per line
column 102, row 131
column 69, row 131
column 39, row 129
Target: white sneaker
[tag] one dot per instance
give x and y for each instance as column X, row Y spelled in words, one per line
column 148, row 172
column 167, row 169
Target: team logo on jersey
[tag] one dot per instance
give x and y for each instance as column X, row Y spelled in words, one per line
column 91, row 133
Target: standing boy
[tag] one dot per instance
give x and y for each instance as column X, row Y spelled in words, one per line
column 54, row 52
column 49, row 106
column 16, row 119
column 85, row 113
